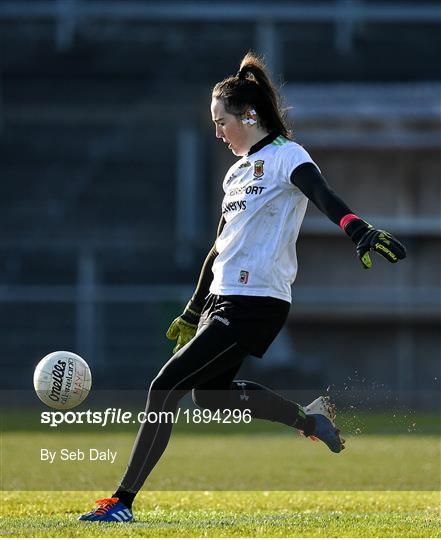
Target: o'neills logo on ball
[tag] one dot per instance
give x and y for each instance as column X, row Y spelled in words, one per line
column 57, row 380
column 258, row 168
column 68, row 381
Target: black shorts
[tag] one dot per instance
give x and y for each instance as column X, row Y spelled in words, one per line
column 256, row 320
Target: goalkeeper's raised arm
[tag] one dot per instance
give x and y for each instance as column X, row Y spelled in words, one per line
column 310, row 181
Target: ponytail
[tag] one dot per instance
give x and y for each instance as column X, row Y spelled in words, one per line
column 252, row 88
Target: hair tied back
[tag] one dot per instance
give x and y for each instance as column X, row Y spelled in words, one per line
column 246, row 74
column 241, row 74
column 252, row 87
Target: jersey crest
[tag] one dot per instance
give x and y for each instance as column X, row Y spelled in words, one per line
column 258, row 168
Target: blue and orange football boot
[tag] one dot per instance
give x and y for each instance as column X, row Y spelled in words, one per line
column 109, row 510
column 325, row 430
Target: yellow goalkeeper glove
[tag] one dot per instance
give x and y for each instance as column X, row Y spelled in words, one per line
column 183, row 328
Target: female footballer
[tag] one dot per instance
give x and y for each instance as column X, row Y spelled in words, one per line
column 243, row 294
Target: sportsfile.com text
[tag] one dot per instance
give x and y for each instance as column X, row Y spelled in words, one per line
column 118, row 416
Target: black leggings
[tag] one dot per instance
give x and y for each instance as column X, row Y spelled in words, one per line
column 206, row 365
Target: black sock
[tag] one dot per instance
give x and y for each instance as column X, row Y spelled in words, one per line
column 265, row 404
column 125, row 497
column 305, row 423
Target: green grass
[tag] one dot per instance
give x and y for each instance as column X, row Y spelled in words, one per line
column 260, row 480
column 254, row 461
column 230, row 514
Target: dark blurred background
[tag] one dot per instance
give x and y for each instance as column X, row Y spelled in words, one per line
column 110, row 179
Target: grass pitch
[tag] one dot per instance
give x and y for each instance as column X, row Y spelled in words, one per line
column 219, row 483
column 230, row 514
column 242, row 462
column 215, row 462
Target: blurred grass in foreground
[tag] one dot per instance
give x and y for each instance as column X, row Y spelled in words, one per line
column 230, row 514
column 253, row 461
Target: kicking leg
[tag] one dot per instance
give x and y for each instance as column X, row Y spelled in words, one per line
column 263, row 403
column 315, row 420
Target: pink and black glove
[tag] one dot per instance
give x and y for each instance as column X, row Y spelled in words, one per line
column 367, row 239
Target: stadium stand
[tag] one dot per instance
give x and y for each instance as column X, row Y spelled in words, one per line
column 97, row 99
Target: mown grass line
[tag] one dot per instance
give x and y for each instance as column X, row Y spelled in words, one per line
column 235, row 514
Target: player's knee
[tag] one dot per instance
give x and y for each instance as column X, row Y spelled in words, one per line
column 205, row 399
column 163, row 393
column 158, row 384
column 198, row 398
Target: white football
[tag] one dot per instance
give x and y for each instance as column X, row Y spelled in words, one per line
column 62, row 380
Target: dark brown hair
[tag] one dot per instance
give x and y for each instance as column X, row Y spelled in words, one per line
column 252, row 88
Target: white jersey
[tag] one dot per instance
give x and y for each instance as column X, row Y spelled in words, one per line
column 263, row 212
